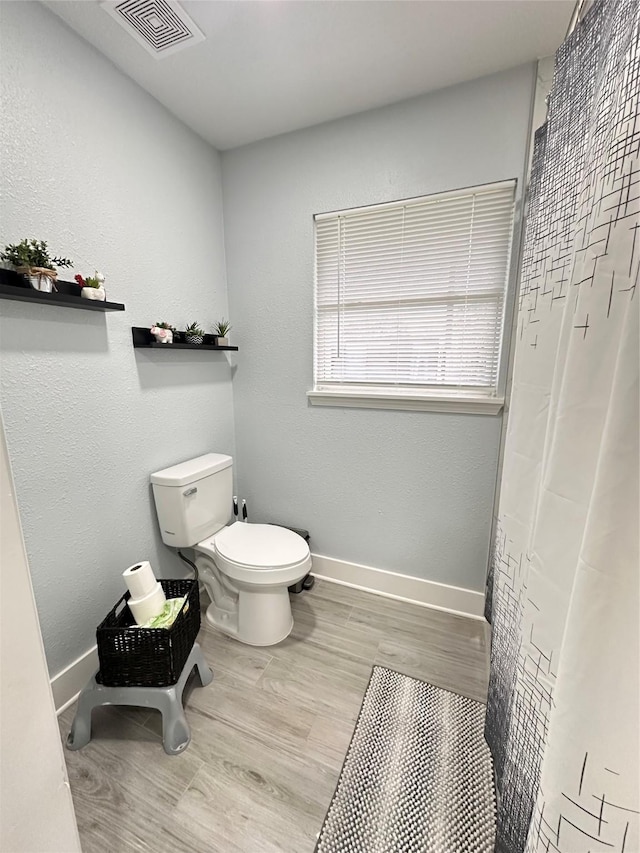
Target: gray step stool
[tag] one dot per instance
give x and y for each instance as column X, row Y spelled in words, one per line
column 176, row 733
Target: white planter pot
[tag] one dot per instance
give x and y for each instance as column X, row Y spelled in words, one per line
column 223, row 342
column 98, row 293
column 162, row 336
column 41, row 281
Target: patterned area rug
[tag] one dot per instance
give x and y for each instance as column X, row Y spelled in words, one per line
column 417, row 777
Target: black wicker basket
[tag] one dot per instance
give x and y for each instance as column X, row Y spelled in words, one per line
column 148, row 657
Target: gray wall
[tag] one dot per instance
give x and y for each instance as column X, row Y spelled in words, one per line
column 405, row 491
column 99, row 169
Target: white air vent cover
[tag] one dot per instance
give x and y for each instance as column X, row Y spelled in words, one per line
column 160, row 26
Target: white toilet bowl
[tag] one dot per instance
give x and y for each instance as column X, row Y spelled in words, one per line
column 246, row 569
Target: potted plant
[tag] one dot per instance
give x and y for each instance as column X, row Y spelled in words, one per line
column 193, row 334
column 31, row 258
column 163, row 332
column 221, row 330
column 92, row 286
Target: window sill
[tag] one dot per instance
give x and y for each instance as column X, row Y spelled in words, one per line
column 462, row 403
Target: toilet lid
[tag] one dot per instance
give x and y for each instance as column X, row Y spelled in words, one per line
column 261, row 546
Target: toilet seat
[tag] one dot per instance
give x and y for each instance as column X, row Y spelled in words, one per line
column 262, row 554
column 260, row 546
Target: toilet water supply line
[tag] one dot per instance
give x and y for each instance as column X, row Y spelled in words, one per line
column 193, row 565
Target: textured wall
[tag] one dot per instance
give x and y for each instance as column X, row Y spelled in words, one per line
column 99, row 169
column 409, row 492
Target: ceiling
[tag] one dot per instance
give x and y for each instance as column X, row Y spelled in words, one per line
column 271, row 66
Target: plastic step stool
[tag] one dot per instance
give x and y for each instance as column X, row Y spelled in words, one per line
column 176, row 733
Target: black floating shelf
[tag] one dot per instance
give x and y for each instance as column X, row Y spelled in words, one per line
column 17, row 288
column 143, row 339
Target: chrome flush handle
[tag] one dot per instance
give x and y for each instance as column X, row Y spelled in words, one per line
column 190, row 492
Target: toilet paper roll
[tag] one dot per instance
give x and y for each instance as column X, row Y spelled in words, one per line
column 148, row 607
column 140, row 579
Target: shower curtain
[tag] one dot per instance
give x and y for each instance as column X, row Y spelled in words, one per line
column 562, row 594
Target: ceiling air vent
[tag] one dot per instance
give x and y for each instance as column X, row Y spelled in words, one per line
column 162, row 27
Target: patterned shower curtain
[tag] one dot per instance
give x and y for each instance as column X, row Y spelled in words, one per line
column 563, row 592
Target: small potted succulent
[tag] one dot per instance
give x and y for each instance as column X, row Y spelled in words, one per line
column 92, row 286
column 31, row 258
column 221, row 331
column 193, row 334
column 163, row 332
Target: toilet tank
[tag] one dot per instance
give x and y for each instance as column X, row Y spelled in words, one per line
column 193, row 499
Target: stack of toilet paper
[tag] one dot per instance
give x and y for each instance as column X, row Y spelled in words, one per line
column 147, row 596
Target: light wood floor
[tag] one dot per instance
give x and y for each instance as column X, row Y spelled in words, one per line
column 269, row 734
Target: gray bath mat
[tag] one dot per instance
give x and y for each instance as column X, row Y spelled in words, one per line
column 417, row 777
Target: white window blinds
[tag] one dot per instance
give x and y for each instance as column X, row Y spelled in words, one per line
column 410, row 295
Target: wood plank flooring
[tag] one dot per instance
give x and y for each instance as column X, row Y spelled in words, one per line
column 269, row 734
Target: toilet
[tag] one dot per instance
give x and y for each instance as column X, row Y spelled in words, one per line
column 245, row 568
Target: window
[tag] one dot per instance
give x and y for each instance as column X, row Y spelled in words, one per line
column 409, row 301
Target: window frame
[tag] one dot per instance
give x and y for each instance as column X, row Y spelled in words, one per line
column 465, row 400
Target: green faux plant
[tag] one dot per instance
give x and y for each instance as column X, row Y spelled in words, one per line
column 194, row 329
column 164, row 325
column 222, row 328
column 32, row 253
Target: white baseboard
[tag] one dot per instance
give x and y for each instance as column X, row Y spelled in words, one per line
column 68, row 683
column 441, row 596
